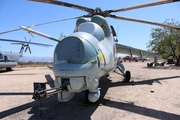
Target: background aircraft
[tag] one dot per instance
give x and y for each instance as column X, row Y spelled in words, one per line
column 82, row 57
column 10, row 59
column 129, row 58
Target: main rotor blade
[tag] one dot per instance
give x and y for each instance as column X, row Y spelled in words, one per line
column 66, row 4
column 22, row 42
column 143, row 21
column 160, row 2
column 39, row 33
column 41, row 24
column 17, row 43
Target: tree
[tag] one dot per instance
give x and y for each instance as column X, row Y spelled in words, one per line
column 164, row 40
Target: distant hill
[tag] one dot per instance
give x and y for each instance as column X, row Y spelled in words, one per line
column 35, row 59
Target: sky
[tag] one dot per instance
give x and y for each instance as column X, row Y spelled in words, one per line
column 15, row 13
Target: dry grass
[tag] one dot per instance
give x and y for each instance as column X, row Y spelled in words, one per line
column 33, row 64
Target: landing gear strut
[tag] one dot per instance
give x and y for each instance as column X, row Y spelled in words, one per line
column 126, row 75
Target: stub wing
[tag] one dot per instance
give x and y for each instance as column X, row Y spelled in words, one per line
column 134, row 51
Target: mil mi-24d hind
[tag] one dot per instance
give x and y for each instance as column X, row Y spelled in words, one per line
column 82, row 57
column 10, row 59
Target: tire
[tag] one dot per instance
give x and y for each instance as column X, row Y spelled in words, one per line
column 9, row 69
column 86, row 95
column 127, row 76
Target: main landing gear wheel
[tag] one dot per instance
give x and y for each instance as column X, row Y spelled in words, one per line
column 127, row 76
column 86, row 95
column 9, row 69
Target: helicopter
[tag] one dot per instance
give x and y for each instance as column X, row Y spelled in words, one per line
column 10, row 59
column 89, row 52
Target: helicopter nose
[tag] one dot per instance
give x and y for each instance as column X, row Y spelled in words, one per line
column 78, row 48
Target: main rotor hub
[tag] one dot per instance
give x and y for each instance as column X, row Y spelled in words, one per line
column 98, row 10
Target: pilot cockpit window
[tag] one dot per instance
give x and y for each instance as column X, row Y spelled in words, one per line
column 80, row 21
column 93, row 29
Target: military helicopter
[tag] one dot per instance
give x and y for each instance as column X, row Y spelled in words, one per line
column 10, row 59
column 84, row 56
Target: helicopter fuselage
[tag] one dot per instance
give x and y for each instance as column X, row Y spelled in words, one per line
column 81, row 58
column 12, row 56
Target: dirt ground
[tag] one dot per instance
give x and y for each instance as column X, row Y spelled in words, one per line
column 153, row 93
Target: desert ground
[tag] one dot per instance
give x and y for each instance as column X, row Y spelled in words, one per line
column 153, row 93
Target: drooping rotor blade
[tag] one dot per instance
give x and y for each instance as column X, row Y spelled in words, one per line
column 18, row 43
column 56, row 21
column 39, row 33
column 22, row 42
column 40, row 24
column 25, row 38
column 66, row 4
column 160, row 2
column 10, row 31
column 144, row 21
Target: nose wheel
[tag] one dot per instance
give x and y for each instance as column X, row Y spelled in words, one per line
column 8, row 69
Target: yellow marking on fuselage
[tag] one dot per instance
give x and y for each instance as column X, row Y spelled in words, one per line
column 101, row 56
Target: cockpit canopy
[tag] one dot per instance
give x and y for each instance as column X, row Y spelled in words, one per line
column 93, row 29
column 79, row 48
